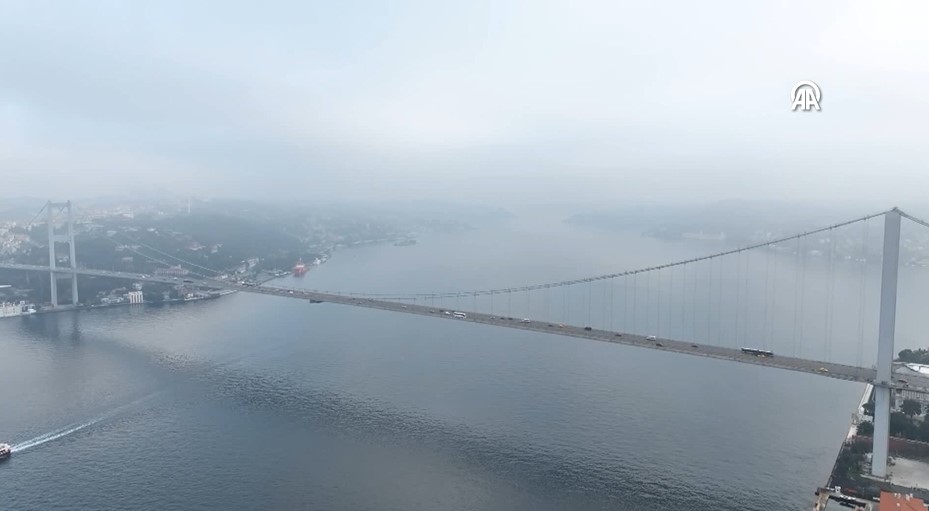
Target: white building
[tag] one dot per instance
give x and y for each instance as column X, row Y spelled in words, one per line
column 916, row 370
column 134, row 296
column 21, row 308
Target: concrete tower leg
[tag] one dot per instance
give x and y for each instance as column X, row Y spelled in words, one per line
column 73, row 257
column 51, row 253
column 885, row 343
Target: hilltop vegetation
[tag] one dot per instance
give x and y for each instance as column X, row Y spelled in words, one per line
column 920, row 356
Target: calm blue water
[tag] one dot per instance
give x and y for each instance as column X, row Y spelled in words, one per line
column 252, row 402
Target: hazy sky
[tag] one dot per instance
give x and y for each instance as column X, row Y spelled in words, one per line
column 490, row 100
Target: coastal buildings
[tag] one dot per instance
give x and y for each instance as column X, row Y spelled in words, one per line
column 11, row 309
column 904, row 371
column 134, row 297
column 851, row 485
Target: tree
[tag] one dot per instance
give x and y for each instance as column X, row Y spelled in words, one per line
column 866, row 428
column 911, row 407
column 848, row 462
column 920, row 356
column 922, row 432
column 901, row 425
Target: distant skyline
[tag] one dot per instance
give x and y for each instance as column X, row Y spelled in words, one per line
column 504, row 102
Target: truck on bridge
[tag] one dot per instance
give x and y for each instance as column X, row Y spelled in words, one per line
column 757, row 352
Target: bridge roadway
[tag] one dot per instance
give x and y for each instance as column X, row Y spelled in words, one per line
column 827, row 369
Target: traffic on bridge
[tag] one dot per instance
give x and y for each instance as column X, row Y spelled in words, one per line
column 820, row 368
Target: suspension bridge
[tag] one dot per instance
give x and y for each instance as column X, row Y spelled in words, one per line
column 801, row 302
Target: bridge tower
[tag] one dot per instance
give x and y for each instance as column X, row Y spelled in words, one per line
column 885, row 343
column 53, row 209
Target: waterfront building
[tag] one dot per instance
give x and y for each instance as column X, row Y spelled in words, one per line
column 904, row 372
column 10, row 309
column 901, row 502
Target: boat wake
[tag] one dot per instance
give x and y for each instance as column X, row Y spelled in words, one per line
column 74, row 428
column 54, row 435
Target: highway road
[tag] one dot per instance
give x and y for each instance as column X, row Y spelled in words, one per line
column 827, row 369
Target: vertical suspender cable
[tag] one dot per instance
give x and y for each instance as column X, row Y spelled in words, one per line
column 796, row 298
column 658, row 317
column 862, row 287
column 564, row 304
column 635, row 301
column 693, row 305
column 830, row 291
column 738, row 297
column 548, row 303
column 648, row 302
column 684, row 303
column 745, row 316
column 773, row 301
column 709, row 293
column 709, row 299
column 719, row 302
column 767, row 272
column 671, row 306
column 625, row 302
column 589, row 300
column 799, row 349
column 612, row 290
column 603, row 303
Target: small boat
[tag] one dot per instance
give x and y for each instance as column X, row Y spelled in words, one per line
column 5, row 451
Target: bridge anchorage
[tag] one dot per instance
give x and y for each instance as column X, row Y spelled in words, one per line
column 682, row 304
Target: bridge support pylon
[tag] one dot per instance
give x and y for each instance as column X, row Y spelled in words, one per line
column 885, row 343
column 52, row 209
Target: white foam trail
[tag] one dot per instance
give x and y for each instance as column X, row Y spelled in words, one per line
column 54, row 435
column 74, row 428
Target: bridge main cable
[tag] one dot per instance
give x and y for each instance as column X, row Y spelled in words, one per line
column 914, row 219
column 162, row 262
column 165, row 254
column 627, row 273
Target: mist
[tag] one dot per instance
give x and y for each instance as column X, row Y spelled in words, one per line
column 524, row 102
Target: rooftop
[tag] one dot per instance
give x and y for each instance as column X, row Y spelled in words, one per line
column 901, row 502
column 916, row 368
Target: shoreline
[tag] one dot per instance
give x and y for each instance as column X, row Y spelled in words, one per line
column 853, row 427
column 269, row 276
column 823, row 493
column 81, row 307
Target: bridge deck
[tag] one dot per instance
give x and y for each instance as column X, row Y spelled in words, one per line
column 827, row 369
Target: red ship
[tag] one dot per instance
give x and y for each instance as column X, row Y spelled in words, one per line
column 300, row 268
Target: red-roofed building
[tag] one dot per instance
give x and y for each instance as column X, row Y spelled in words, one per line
column 901, row 502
